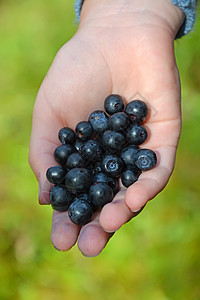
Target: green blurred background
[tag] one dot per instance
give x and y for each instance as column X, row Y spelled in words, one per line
column 155, row 256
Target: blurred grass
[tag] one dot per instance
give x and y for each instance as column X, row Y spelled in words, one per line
column 156, row 256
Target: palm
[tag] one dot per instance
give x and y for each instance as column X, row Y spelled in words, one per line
column 84, row 72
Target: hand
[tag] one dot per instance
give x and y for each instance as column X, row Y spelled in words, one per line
column 123, row 51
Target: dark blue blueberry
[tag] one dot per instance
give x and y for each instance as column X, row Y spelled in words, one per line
column 113, row 104
column 113, row 183
column 137, row 110
column 119, row 122
column 102, row 177
column 84, row 197
column 75, row 160
column 136, row 134
column 84, row 130
column 56, row 174
column 97, row 167
column 62, row 153
column 78, row 180
column 99, row 121
column 129, row 177
column 94, row 167
column 146, row 159
column 112, row 141
column 112, row 165
column 80, row 212
column 91, row 151
column 90, row 165
column 128, row 155
column 78, row 144
column 60, row 198
column 100, row 194
column 66, row 135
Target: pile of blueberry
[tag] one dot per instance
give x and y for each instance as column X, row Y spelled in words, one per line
column 92, row 159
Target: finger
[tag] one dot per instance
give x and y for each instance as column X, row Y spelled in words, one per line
column 64, row 233
column 151, row 182
column 93, row 238
column 116, row 213
column 164, row 136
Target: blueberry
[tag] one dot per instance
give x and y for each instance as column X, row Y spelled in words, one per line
column 60, row 198
column 113, row 104
column 99, row 121
column 119, row 122
column 112, row 141
column 146, row 159
column 91, row 151
column 62, row 153
column 137, row 111
column 90, row 165
column 129, row 177
column 128, row 155
column 136, row 134
column 66, row 135
column 113, row 183
column 100, row 194
column 56, row 174
column 75, row 160
column 94, row 167
column 78, row 144
column 97, row 167
column 84, row 197
column 102, row 177
column 78, row 180
column 80, row 212
column 112, row 165
column 84, row 130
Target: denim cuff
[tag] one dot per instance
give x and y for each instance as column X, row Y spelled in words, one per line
column 187, row 6
column 77, row 6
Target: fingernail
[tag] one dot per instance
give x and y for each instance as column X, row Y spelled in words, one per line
column 60, row 250
column 89, row 256
column 135, row 210
column 138, row 210
column 110, row 231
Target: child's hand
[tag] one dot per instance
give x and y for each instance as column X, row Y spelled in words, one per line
column 122, row 51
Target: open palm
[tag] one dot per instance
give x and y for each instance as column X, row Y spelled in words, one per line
column 135, row 63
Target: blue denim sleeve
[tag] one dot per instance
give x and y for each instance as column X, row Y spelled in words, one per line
column 78, row 5
column 188, row 7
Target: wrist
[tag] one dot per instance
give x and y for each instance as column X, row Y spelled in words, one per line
column 132, row 12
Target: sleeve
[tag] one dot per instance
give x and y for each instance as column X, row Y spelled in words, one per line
column 78, row 6
column 187, row 6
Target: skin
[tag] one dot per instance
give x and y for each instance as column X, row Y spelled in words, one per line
column 121, row 47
